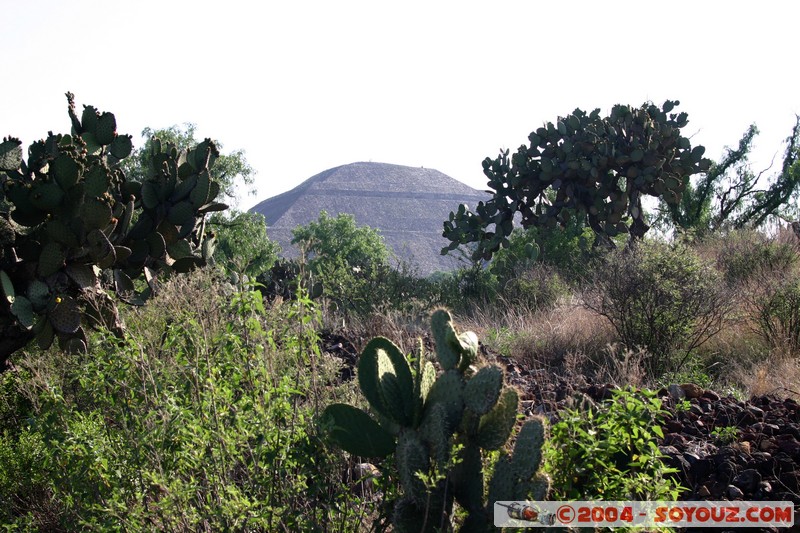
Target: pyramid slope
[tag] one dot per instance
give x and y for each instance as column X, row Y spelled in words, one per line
column 406, row 204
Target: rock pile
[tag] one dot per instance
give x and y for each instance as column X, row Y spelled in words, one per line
column 723, row 448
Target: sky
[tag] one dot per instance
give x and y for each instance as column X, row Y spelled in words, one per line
column 303, row 86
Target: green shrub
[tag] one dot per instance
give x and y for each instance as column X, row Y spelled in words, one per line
column 778, row 314
column 466, row 288
column 539, row 287
column 763, row 271
column 660, row 297
column 566, row 251
column 610, row 452
column 748, row 255
column 204, row 422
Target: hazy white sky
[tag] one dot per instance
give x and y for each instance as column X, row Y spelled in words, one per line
column 303, row 86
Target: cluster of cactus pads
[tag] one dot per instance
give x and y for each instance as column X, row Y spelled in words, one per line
column 423, row 420
column 596, row 168
column 72, row 226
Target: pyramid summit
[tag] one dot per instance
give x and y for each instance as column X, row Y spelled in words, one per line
column 408, row 206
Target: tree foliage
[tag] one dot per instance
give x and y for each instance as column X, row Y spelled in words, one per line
column 594, row 168
column 729, row 194
column 229, row 169
column 242, row 244
column 338, row 241
column 350, row 261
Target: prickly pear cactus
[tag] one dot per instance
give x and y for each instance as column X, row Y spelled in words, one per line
column 596, row 169
column 421, row 419
column 67, row 214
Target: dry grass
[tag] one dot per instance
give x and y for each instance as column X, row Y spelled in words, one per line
column 547, row 338
column 778, row 375
column 404, row 329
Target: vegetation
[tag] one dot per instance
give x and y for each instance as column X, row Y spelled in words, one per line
column 68, row 213
column 247, row 394
column 610, row 453
column 243, row 247
column 232, row 170
column 598, row 169
column 443, row 427
column 729, row 194
column 195, row 421
column 659, row 297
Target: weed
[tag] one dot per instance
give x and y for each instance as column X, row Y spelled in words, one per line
column 725, row 435
column 610, row 453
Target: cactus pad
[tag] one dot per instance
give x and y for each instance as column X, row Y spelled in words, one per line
column 385, row 378
column 7, row 286
column 501, row 486
column 65, row 170
column 65, row 316
column 483, row 389
column 10, row 154
column 46, row 196
column 199, row 195
column 427, row 380
column 356, row 432
column 181, row 213
column 100, row 248
column 448, row 391
column 528, row 448
column 434, row 432
column 51, row 259
column 183, row 189
column 412, row 457
column 122, row 146
column 39, row 294
column 96, row 181
column 186, row 264
column 467, row 478
column 45, row 336
column 179, row 249
column 83, row 275
column 60, row 232
column 7, row 235
column 106, row 129
column 443, row 334
column 95, row 214
column 23, row 310
column 496, row 425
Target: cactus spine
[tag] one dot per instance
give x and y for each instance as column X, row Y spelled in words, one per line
column 442, row 424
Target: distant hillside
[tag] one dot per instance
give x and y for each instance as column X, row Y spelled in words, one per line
column 407, row 204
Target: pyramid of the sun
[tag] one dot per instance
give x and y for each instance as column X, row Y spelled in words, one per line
column 408, row 205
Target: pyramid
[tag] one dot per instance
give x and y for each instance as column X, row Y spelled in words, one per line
column 408, row 206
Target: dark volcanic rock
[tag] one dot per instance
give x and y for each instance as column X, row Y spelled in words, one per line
column 761, row 463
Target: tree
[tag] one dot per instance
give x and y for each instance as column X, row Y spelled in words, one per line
column 338, row 241
column 727, row 196
column 349, row 260
column 242, row 244
column 597, row 168
column 229, row 169
column 73, row 228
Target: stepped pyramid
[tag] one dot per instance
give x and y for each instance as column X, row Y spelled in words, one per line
column 408, row 205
